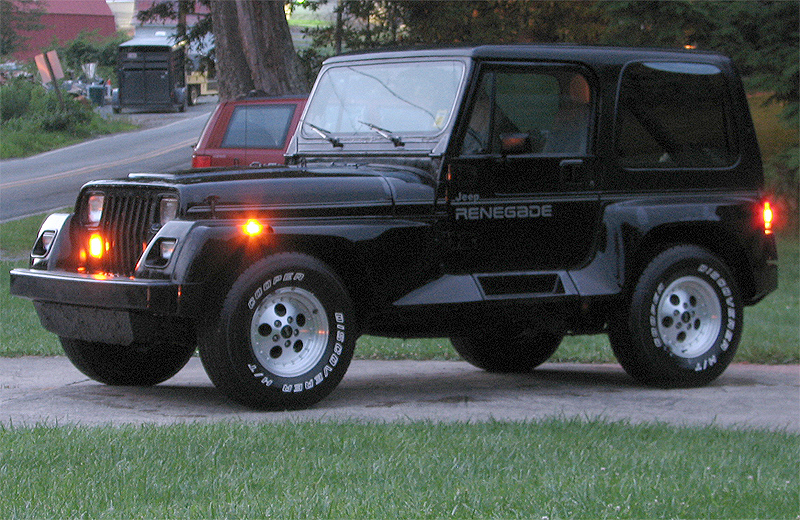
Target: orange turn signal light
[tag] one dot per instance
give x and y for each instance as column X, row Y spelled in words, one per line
column 96, row 248
column 252, row 228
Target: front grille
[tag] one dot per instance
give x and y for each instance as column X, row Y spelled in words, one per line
column 128, row 223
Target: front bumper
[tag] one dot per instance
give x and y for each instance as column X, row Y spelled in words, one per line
column 156, row 296
column 113, row 310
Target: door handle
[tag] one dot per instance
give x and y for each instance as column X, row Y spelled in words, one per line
column 573, row 171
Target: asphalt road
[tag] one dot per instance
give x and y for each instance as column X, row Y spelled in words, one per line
column 51, row 391
column 51, row 180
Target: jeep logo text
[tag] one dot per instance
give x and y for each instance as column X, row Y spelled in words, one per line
column 504, row 212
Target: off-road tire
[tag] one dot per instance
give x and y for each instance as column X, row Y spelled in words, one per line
column 138, row 364
column 284, row 336
column 518, row 354
column 682, row 322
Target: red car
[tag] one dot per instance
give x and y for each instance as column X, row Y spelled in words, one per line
column 251, row 131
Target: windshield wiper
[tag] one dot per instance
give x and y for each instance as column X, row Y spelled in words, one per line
column 325, row 134
column 386, row 134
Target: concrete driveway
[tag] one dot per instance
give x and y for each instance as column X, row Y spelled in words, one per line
column 51, row 391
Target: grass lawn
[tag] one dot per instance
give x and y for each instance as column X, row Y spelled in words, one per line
column 551, row 469
column 15, row 143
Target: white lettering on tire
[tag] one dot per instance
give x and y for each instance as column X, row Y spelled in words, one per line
column 729, row 320
column 338, row 347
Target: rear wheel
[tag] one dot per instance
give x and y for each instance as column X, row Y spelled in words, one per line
column 138, row 364
column 497, row 353
column 683, row 321
column 284, row 336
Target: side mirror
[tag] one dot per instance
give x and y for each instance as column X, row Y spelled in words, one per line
column 515, row 143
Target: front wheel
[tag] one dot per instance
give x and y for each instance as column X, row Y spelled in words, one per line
column 683, row 322
column 508, row 354
column 284, row 336
column 139, row 364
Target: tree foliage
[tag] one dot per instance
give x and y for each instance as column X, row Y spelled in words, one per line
column 367, row 24
column 657, row 24
column 762, row 38
column 89, row 47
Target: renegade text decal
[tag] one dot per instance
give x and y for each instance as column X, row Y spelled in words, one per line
column 498, row 212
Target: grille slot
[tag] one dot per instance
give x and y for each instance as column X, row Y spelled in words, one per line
column 127, row 224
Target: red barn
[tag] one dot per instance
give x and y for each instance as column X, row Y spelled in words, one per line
column 64, row 20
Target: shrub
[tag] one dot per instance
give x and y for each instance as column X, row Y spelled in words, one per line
column 49, row 115
column 90, row 47
column 40, row 109
column 33, row 120
column 15, row 98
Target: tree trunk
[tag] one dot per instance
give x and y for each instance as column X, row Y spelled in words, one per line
column 254, row 49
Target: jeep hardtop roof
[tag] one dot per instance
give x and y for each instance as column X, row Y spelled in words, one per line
column 597, row 55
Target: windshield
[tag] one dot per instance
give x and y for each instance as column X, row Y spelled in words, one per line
column 397, row 98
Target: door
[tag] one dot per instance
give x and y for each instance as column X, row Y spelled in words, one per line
column 144, row 77
column 521, row 181
column 131, row 78
column 156, row 78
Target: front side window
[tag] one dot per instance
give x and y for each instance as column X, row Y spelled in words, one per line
column 674, row 115
column 402, row 98
column 543, row 111
column 258, row 126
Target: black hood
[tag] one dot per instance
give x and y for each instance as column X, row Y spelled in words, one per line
column 338, row 189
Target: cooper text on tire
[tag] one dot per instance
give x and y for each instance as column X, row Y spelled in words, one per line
column 284, row 336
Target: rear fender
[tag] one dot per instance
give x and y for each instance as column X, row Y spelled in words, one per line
column 725, row 225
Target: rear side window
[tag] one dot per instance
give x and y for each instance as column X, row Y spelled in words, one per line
column 674, row 115
column 258, row 126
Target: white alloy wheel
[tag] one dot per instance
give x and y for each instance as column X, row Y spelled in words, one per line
column 289, row 332
column 689, row 317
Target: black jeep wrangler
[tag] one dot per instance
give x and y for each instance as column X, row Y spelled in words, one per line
column 502, row 196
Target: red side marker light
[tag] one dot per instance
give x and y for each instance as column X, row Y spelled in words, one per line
column 201, row 161
column 768, row 218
